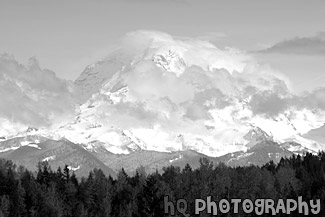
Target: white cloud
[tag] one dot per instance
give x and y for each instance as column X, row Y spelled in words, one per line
column 31, row 96
column 212, row 78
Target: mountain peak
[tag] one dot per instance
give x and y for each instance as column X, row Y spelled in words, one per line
column 170, row 61
column 256, row 135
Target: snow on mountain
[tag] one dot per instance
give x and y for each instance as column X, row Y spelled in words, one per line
column 92, row 78
column 293, row 121
column 256, row 135
column 171, row 62
column 57, row 153
column 311, row 145
column 74, row 168
column 259, row 154
column 14, row 143
column 164, row 94
column 49, row 158
column 177, row 158
column 9, row 149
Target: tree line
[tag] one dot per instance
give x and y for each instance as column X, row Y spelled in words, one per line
column 59, row 192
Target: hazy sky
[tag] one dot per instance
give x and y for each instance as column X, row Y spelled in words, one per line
column 67, row 35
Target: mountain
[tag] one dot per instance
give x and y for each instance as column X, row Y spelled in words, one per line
column 259, row 154
column 95, row 75
column 30, row 150
column 81, row 159
column 255, row 136
column 150, row 160
column 153, row 102
column 263, row 152
column 168, row 95
column 261, row 148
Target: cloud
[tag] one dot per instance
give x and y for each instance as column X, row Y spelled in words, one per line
column 32, row 96
column 128, row 114
column 300, row 45
column 212, row 78
column 195, row 52
column 211, row 75
column 271, row 103
column 147, row 81
column 268, row 103
column 312, row 100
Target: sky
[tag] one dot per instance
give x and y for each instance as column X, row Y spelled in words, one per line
column 66, row 36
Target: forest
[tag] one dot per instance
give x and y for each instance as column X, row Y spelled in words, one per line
column 58, row 192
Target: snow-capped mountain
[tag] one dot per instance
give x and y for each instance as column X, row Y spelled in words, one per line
column 256, row 135
column 170, row 62
column 95, row 75
column 172, row 95
column 30, row 150
column 158, row 94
